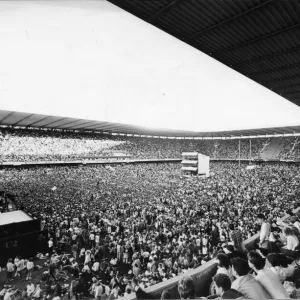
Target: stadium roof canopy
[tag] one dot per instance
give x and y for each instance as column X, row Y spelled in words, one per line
column 258, row 38
column 20, row 119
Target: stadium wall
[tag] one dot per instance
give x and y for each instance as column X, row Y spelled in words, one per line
column 12, row 164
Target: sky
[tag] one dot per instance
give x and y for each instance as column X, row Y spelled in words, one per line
column 92, row 60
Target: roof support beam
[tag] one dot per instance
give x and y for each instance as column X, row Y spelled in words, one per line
column 246, row 62
column 54, row 122
column 281, row 79
column 84, row 123
column 199, row 33
column 96, row 125
column 22, row 120
column 297, row 93
column 69, row 123
column 6, row 117
column 274, row 70
column 263, row 37
column 38, row 121
column 164, row 10
column 280, row 88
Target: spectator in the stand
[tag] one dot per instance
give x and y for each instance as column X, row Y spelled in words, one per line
column 223, row 265
column 246, row 283
column 186, row 288
column 237, row 238
column 264, row 231
column 232, row 253
column 281, row 265
column 292, row 241
column 269, row 281
column 223, row 287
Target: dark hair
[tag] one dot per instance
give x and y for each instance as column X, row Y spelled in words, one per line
column 223, row 281
column 232, row 294
column 263, row 251
column 165, row 295
column 224, row 261
column 230, row 248
column 273, row 259
column 186, row 288
column 257, row 260
column 231, row 226
column 283, row 260
column 240, row 266
column 260, row 216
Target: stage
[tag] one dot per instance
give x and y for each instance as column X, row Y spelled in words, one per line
column 19, row 235
column 14, row 217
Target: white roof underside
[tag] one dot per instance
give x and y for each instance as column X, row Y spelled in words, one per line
column 90, row 60
column 13, row 118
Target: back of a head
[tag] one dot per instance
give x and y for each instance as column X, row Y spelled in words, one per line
column 165, row 295
column 273, row 259
column 257, row 260
column 283, row 260
column 240, row 266
column 232, row 294
column 223, row 260
column 230, row 248
column 186, row 288
column 222, row 281
column 261, row 216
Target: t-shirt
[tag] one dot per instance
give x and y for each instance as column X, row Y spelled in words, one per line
column 271, row 283
column 96, row 266
column 30, row 265
column 8, row 295
column 10, row 267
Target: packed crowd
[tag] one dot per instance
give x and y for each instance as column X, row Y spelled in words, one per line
column 146, row 222
column 270, row 271
column 48, row 145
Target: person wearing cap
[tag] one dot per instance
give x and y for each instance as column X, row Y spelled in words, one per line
column 264, row 231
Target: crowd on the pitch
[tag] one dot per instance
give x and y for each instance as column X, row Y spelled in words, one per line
column 147, row 222
column 49, row 145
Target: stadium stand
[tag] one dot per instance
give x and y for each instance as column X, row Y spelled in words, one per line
column 49, row 145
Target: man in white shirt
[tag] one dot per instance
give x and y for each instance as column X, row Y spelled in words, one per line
column 30, row 266
column 10, row 269
column 96, row 266
column 266, row 277
column 264, row 231
column 50, row 246
column 246, row 283
column 98, row 290
column 9, row 293
column 30, row 288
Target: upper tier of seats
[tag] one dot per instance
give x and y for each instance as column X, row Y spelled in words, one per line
column 35, row 145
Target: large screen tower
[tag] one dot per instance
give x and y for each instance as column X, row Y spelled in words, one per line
column 194, row 163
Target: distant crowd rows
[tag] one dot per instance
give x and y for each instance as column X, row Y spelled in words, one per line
column 37, row 145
